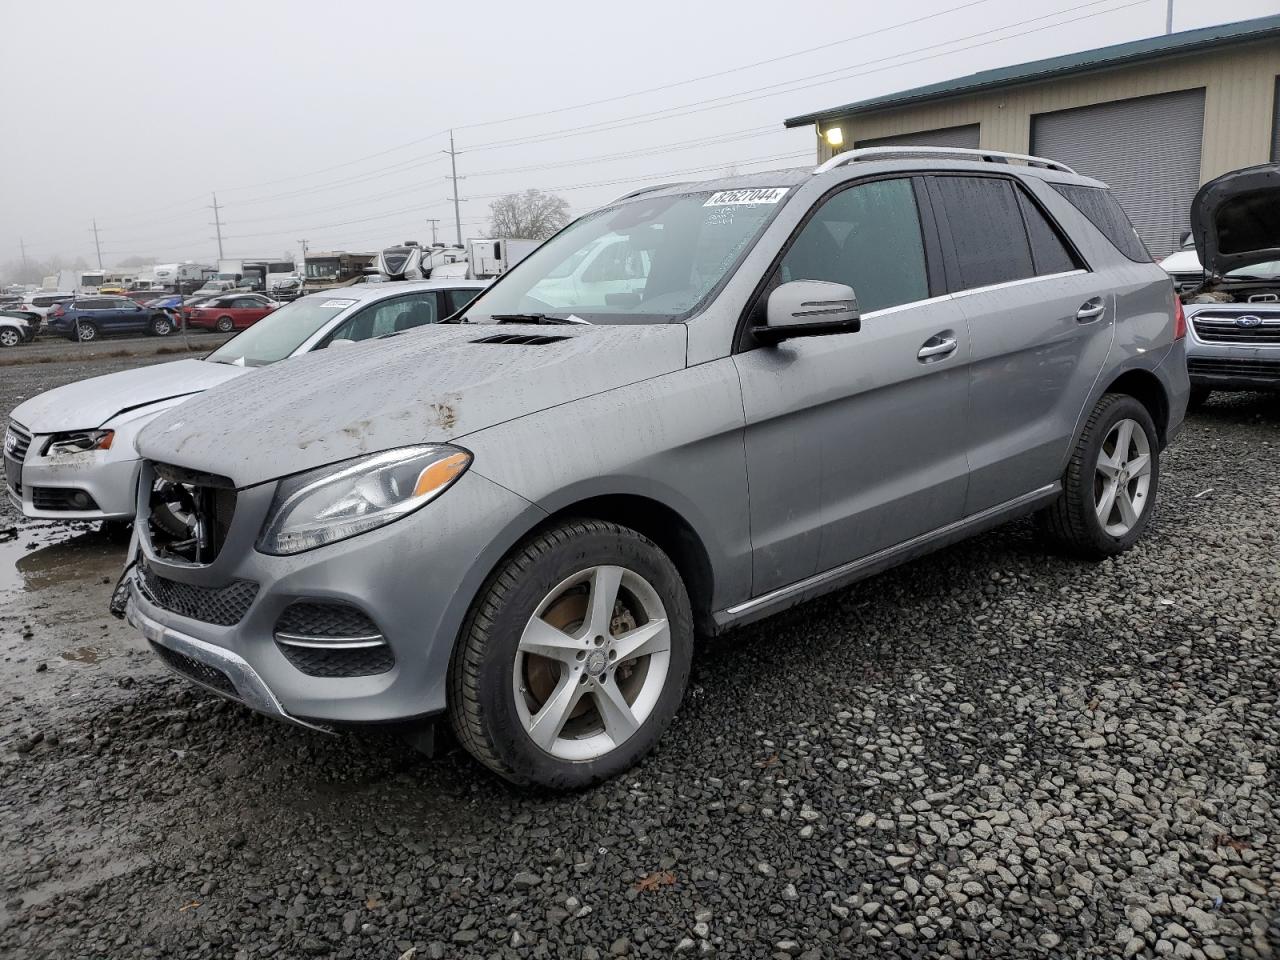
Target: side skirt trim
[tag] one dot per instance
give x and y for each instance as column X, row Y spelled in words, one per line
column 874, row 563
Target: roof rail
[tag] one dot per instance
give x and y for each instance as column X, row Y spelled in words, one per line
column 656, row 186
column 963, row 153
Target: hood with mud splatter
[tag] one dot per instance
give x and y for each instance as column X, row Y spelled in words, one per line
column 433, row 384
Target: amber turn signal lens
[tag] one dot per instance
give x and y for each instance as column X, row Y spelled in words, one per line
column 440, row 473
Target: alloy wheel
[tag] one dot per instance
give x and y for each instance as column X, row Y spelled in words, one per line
column 592, row 663
column 9, row 338
column 1122, row 479
column 86, row 331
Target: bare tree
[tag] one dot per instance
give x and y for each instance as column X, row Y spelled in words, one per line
column 532, row 215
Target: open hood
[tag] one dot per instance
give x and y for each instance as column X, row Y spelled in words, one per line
column 91, row 403
column 1236, row 219
column 435, row 383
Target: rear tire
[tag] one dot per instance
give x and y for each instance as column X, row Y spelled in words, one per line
column 225, row 324
column 1110, row 485
column 595, row 681
column 161, row 327
column 86, row 332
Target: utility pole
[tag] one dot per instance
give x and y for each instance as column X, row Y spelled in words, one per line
column 217, row 222
column 304, row 251
column 453, row 166
column 23, row 247
column 433, row 221
column 96, row 245
column 1168, row 18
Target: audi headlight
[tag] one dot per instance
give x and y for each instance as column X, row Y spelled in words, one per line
column 345, row 499
column 80, row 441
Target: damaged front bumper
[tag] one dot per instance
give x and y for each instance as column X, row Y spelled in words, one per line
column 215, row 668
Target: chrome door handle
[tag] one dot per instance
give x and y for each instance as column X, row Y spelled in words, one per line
column 936, row 348
column 1090, row 310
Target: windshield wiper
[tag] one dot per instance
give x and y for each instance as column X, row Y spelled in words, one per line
column 529, row 318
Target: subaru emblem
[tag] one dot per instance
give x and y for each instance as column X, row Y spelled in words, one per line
column 1248, row 321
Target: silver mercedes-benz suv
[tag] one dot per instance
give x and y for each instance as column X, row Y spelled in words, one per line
column 772, row 386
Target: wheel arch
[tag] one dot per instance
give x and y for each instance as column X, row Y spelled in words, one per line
column 1145, row 387
column 661, row 523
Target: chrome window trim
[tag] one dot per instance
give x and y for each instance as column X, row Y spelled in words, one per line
column 1017, row 283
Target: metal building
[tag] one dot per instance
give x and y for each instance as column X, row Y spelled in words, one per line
column 1153, row 118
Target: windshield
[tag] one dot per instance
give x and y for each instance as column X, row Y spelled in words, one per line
column 324, row 269
column 279, row 334
column 646, row 261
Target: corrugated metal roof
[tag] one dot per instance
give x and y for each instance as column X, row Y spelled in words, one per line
column 1103, row 57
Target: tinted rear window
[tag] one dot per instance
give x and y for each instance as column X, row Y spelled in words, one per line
column 1048, row 248
column 1107, row 215
column 988, row 237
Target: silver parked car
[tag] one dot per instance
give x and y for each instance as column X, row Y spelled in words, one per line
column 519, row 520
column 1234, row 312
column 69, row 452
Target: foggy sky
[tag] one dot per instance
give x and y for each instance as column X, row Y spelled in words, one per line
column 322, row 120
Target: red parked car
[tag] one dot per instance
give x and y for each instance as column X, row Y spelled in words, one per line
column 234, row 311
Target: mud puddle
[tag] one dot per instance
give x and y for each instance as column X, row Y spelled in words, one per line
column 55, row 582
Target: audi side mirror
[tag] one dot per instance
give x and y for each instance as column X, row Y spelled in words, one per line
column 809, row 308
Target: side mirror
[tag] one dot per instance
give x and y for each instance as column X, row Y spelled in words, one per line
column 341, row 342
column 809, row 308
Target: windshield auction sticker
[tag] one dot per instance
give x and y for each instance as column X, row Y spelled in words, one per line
column 728, row 198
column 336, row 304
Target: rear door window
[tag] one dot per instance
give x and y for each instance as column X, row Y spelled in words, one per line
column 1049, row 250
column 867, row 237
column 981, row 218
column 1108, row 216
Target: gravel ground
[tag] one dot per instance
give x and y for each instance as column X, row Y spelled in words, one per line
column 988, row 753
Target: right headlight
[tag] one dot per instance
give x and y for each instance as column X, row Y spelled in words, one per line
column 345, row 499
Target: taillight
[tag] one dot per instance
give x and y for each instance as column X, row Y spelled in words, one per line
column 1179, row 319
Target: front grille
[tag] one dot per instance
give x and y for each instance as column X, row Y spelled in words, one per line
column 208, row 500
column 326, row 639
column 62, row 498
column 1218, row 327
column 1229, row 367
column 221, row 606
column 358, row 662
column 21, row 442
column 326, row 620
column 195, row 670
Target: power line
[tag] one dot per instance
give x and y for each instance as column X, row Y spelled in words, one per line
column 798, row 83
column 726, row 72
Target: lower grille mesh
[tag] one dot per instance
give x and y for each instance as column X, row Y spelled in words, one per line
column 360, row 662
column 223, row 606
column 309, row 619
column 195, row 670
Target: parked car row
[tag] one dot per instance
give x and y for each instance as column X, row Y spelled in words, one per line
column 692, row 408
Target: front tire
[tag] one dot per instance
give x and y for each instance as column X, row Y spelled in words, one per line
column 9, row 337
column 1110, row 485
column 574, row 658
column 224, row 324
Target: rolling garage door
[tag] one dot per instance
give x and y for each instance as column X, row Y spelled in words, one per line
column 1146, row 149
column 966, row 136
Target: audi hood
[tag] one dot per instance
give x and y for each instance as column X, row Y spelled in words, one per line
column 1235, row 219
column 91, row 403
column 436, row 383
